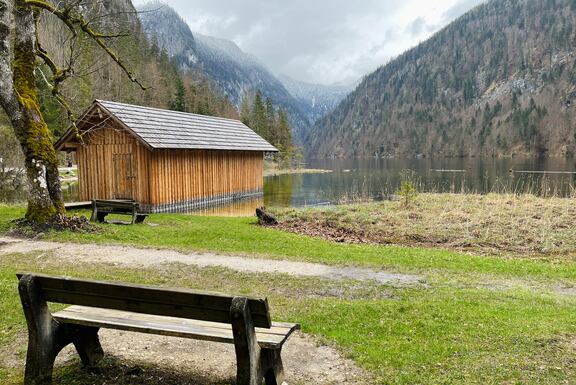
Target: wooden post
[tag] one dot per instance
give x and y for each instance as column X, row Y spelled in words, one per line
column 247, row 350
column 273, row 369
column 87, row 344
column 134, row 211
column 94, row 211
column 47, row 337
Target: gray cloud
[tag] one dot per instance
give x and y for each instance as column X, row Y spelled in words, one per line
column 460, row 8
column 322, row 41
column 420, row 27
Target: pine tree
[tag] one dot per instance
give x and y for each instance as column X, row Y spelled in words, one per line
column 179, row 101
column 259, row 117
column 271, row 118
column 246, row 110
column 154, row 50
column 284, row 132
column 273, row 125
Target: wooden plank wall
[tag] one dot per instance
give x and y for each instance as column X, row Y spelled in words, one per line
column 96, row 174
column 164, row 176
column 179, row 175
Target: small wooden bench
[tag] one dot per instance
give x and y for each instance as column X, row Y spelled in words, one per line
column 101, row 208
column 244, row 322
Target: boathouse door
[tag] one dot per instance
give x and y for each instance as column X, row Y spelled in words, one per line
column 123, row 176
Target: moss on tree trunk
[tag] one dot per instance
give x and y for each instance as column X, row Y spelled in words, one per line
column 32, row 131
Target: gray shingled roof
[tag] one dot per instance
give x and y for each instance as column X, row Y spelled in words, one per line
column 180, row 130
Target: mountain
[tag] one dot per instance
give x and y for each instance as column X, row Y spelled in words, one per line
column 498, row 81
column 232, row 71
column 97, row 77
column 315, row 100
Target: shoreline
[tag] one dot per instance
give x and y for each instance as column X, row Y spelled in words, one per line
column 288, row 171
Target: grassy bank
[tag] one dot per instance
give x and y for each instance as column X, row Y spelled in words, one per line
column 244, row 237
column 484, row 316
column 423, row 335
column 274, row 169
column 506, row 225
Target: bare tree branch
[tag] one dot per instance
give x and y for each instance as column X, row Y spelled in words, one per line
column 59, row 75
column 74, row 20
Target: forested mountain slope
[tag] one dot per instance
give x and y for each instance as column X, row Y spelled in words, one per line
column 316, row 100
column 498, row 81
column 97, row 77
column 232, row 71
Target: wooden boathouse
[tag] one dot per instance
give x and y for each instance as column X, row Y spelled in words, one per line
column 165, row 160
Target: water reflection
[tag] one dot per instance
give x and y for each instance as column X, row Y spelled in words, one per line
column 361, row 179
column 281, row 189
column 376, row 179
column 70, row 192
column 240, row 208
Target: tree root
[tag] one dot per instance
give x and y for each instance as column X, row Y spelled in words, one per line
column 31, row 229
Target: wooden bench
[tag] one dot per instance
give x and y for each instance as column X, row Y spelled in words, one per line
column 101, row 208
column 244, row 322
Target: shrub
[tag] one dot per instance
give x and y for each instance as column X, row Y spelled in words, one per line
column 407, row 191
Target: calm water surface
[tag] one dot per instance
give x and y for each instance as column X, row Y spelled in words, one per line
column 360, row 179
column 377, row 179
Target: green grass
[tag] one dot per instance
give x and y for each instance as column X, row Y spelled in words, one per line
column 436, row 335
column 478, row 319
column 453, row 336
column 242, row 236
column 10, row 213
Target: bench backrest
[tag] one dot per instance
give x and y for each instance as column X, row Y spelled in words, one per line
column 115, row 204
column 180, row 303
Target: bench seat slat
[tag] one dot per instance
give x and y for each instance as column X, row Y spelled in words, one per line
column 280, row 328
column 170, row 326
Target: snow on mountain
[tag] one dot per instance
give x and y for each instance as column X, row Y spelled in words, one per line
column 316, row 99
column 236, row 72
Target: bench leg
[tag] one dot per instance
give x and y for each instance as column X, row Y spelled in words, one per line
column 273, row 369
column 248, row 359
column 94, row 211
column 100, row 216
column 87, row 345
column 40, row 360
column 46, row 337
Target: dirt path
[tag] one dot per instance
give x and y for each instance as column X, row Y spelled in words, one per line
column 158, row 359
column 134, row 257
column 153, row 360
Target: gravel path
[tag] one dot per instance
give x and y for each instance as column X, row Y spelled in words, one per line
column 181, row 361
column 134, row 257
column 155, row 359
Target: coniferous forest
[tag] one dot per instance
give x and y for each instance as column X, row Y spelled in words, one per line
column 498, row 81
column 271, row 123
column 97, row 77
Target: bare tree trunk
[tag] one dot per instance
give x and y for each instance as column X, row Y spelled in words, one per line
column 19, row 98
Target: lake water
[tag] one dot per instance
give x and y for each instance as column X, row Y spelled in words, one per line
column 377, row 179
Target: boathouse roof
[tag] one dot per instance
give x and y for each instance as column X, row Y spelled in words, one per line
column 165, row 129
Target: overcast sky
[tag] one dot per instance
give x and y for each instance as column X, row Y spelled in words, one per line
column 321, row 41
